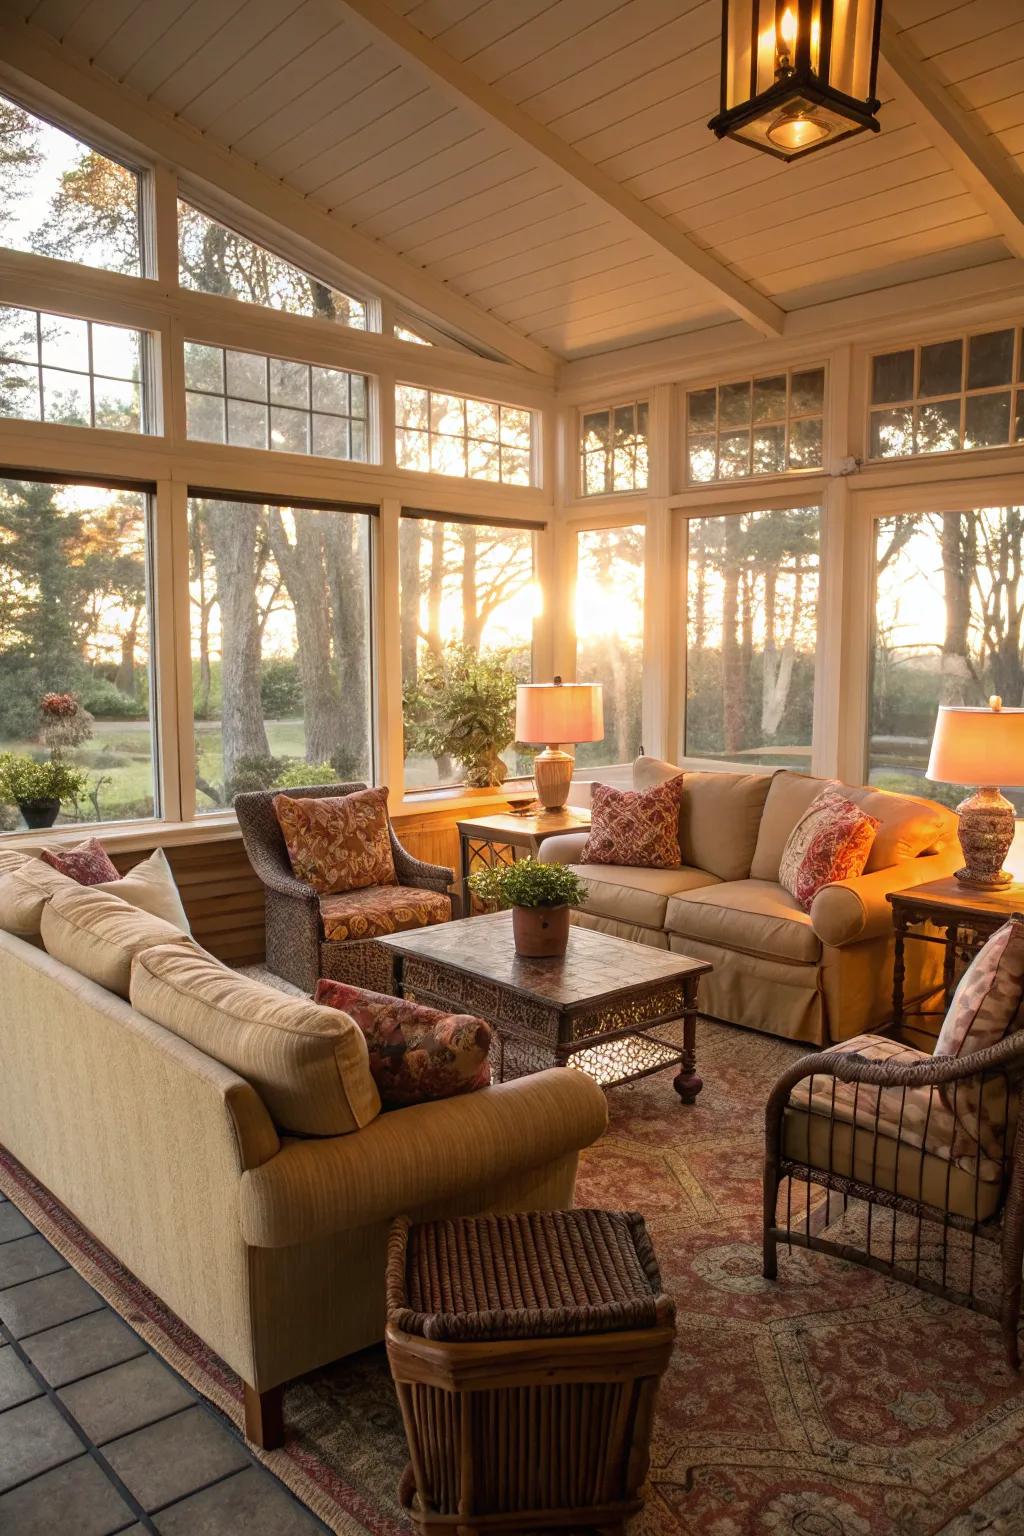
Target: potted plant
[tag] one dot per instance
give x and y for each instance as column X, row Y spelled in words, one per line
column 37, row 789
column 540, row 896
column 462, row 707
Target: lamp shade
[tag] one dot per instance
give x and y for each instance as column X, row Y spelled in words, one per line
column 554, row 712
column 977, row 746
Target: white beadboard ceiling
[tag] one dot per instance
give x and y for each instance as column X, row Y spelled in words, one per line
column 307, row 93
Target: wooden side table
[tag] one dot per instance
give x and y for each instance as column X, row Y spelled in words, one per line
column 965, row 916
column 502, row 838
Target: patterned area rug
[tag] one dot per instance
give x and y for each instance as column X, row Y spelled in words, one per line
column 833, row 1402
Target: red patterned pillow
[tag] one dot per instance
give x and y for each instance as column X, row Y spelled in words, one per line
column 339, row 843
column 830, row 842
column 89, row 863
column 636, row 827
column 417, row 1054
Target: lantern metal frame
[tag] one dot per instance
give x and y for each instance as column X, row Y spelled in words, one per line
column 797, row 80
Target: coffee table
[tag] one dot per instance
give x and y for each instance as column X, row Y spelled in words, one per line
column 616, row 1009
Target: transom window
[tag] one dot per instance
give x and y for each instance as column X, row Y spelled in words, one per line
column 215, row 259
column 967, row 392
column 762, row 426
column 253, row 401
column 73, row 373
column 452, row 435
column 613, row 449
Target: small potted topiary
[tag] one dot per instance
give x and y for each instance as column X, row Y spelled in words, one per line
column 37, row 789
column 540, row 896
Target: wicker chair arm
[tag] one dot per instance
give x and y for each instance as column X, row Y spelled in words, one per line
column 416, row 872
column 287, row 885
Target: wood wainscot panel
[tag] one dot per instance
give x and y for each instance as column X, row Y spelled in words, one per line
column 221, row 894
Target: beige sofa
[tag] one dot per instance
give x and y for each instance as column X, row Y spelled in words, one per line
column 819, row 976
column 269, row 1244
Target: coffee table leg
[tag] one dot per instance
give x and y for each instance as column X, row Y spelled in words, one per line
column 686, row 1082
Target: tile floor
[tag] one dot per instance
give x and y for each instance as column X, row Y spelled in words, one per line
column 97, row 1435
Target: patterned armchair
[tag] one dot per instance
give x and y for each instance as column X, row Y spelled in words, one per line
column 929, row 1144
column 309, row 935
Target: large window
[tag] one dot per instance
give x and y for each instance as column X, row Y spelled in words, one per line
column 613, row 449
column 280, row 600
column 468, row 603
column 752, row 621
column 451, row 435
column 72, row 372
column 215, row 259
column 253, row 401
column 59, row 197
column 610, row 637
column 761, row 426
column 948, row 395
column 75, row 620
column 949, row 629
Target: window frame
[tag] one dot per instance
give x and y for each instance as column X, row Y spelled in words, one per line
column 771, row 477
column 403, row 381
column 592, row 498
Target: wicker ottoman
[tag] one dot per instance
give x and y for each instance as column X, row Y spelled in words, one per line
column 526, row 1352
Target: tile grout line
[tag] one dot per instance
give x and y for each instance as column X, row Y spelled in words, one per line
column 29, row 1279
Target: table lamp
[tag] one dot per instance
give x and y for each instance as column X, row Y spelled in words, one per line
column 551, row 713
column 981, row 745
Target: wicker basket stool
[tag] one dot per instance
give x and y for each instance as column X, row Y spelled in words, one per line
column 526, row 1352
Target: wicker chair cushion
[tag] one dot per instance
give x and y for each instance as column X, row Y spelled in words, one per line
column 380, row 909
column 417, row 1054
column 339, row 843
column 531, row 1275
column 985, row 1004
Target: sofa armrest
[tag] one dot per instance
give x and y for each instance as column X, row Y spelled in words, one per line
column 851, row 911
column 411, row 1158
column 566, row 848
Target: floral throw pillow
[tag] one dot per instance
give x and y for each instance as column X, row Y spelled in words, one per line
column 830, row 842
column 417, row 1054
column 89, row 863
column 339, row 843
column 635, row 827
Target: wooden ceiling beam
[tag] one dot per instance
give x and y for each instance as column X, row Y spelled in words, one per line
column 979, row 160
column 467, row 90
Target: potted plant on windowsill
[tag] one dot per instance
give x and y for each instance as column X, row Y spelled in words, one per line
column 540, row 896
column 37, row 789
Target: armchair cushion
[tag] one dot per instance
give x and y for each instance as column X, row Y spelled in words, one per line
column 340, row 842
column 986, row 1002
column 416, row 1053
column 380, row 909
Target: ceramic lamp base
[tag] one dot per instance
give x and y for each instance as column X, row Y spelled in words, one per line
column 552, row 775
column 986, row 832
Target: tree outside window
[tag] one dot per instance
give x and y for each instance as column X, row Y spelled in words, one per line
column 610, row 637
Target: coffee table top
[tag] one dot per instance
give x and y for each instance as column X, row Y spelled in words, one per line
column 596, row 966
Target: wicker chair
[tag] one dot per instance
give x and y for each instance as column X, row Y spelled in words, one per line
column 296, row 947
column 930, row 1144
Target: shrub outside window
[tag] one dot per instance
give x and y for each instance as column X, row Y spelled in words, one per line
column 948, row 395
column 762, row 426
column 253, row 401
column 74, row 571
column 446, row 434
column 613, row 449
column 73, row 373
column 610, row 637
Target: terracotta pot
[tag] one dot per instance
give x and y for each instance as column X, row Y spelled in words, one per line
column 39, row 813
column 540, row 932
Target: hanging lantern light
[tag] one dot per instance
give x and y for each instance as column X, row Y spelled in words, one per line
column 798, row 75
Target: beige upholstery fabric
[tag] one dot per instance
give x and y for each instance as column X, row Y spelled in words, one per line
column 417, row 1155
column 99, row 935
column 756, row 917
column 788, row 797
column 309, row 1064
column 26, row 885
column 566, row 848
column 150, row 886
column 852, row 910
column 11, row 859
column 636, row 933
column 719, row 816
column 636, row 895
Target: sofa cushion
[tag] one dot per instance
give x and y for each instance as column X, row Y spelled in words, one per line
column 756, row 917
column 309, row 1064
column 907, row 826
column 339, row 842
column 26, row 885
column 630, row 895
column 719, row 815
column 636, row 827
column 830, row 842
column 98, row 935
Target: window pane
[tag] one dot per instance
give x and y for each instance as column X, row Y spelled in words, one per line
column 770, row 398
column 752, row 619
column 330, row 390
column 247, row 424
column 289, row 430
column 702, row 458
column 947, row 631
column 769, row 450
column 596, row 432
column 61, row 198
column 990, row 359
column 115, row 352
column 276, row 702
column 807, row 392
column 19, row 391
column 204, row 415
column 65, row 342
column 942, row 368
column 66, row 398
column 481, row 419
column 454, row 435
column 73, row 568
column 289, row 383
column 937, row 427
column 805, row 444
column 734, row 404
column 215, row 259
column 204, row 367
column 117, row 405
column 19, row 341
column 467, row 606
column 610, row 637
column 733, row 455
column 330, row 437
column 892, row 433
column 412, row 450
column 246, row 375
column 987, row 420
column 596, row 473
column 700, row 408
column 248, row 378
column 892, row 377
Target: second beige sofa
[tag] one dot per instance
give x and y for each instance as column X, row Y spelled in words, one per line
column 816, row 976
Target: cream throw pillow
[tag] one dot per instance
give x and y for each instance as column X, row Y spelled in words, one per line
column 309, row 1064
column 25, row 888
column 99, row 935
column 150, row 887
